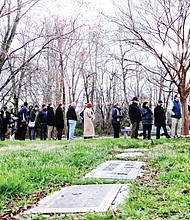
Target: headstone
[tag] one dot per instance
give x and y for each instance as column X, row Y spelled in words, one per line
column 82, row 198
column 117, row 169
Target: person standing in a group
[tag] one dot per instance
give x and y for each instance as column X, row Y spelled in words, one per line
column 72, row 119
column 50, row 121
column 42, row 120
column 33, row 114
column 147, row 120
column 175, row 110
column 31, row 122
column 23, row 121
column 135, row 117
column 160, row 120
column 59, row 121
column 5, row 121
column 88, row 122
column 116, row 119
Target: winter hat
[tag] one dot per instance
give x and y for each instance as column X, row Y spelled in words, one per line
column 135, row 99
column 89, row 105
column 160, row 101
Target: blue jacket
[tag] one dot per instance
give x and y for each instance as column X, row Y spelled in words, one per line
column 23, row 114
column 176, row 109
column 116, row 115
column 146, row 116
column 42, row 116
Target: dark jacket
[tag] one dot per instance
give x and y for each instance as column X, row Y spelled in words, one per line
column 146, row 116
column 42, row 116
column 59, row 122
column 50, row 116
column 134, row 113
column 116, row 115
column 23, row 114
column 176, row 109
column 1, row 121
column 71, row 114
column 31, row 115
column 159, row 116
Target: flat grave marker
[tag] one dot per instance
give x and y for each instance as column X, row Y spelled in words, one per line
column 116, row 169
column 81, row 199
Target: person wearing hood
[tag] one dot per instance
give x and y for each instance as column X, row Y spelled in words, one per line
column 116, row 119
column 147, row 120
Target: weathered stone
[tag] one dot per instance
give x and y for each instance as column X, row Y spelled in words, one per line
column 82, row 198
column 117, row 169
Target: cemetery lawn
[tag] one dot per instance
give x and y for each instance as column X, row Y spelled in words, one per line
column 30, row 170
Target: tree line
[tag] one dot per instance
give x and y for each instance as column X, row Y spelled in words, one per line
column 141, row 49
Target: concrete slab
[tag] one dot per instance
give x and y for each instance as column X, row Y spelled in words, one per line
column 82, row 198
column 130, row 154
column 116, row 169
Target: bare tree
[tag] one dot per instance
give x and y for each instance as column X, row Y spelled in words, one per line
column 161, row 28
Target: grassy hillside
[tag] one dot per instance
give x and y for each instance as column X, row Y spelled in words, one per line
column 31, row 170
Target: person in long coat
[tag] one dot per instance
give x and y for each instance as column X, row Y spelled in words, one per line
column 59, row 121
column 135, row 117
column 160, row 120
column 88, row 122
column 5, row 121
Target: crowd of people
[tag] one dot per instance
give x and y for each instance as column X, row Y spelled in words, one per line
column 46, row 120
column 50, row 122
column 147, row 117
column 31, row 118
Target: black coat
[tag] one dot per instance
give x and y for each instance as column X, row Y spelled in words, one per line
column 59, row 121
column 5, row 121
column 71, row 114
column 50, row 116
column 134, row 113
column 159, row 116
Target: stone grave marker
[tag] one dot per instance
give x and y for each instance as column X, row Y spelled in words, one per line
column 116, row 169
column 82, row 198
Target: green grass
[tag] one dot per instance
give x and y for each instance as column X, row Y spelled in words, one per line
column 41, row 167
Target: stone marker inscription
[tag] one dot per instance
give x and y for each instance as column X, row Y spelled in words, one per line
column 80, row 198
column 116, row 169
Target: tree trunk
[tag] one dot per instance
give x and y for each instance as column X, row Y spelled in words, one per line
column 185, row 121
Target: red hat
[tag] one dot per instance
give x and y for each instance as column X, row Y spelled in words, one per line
column 89, row 105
